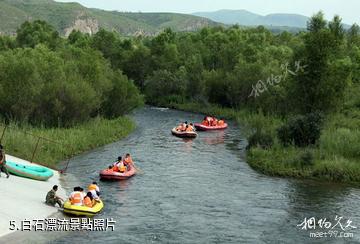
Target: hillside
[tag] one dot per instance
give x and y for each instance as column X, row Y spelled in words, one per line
column 68, row 16
column 243, row 17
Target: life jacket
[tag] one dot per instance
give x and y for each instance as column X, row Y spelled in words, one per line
column 221, row 122
column 92, row 187
column 205, row 122
column 88, row 202
column 214, row 122
column 189, row 129
column 181, row 127
column 122, row 168
column 76, row 198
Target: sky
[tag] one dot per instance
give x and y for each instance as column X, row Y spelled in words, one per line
column 347, row 9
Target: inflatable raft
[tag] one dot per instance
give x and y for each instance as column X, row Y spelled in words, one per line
column 109, row 174
column 184, row 134
column 204, row 127
column 83, row 210
column 29, row 171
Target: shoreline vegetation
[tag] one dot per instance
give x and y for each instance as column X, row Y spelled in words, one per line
column 332, row 159
column 298, row 93
column 21, row 140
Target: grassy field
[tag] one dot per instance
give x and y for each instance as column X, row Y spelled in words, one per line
column 58, row 144
column 336, row 157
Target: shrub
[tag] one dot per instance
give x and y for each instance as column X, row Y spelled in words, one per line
column 164, row 85
column 340, row 141
column 306, row 159
column 122, row 98
column 302, row 130
column 260, row 139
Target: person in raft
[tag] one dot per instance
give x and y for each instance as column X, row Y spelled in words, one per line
column 192, row 126
column 189, row 128
column 118, row 166
column 208, row 121
column 182, row 126
column 94, row 190
column 205, row 122
column 89, row 200
column 128, row 160
column 3, row 162
column 114, row 166
column 52, row 199
column 77, row 197
column 121, row 167
column 221, row 122
column 214, row 122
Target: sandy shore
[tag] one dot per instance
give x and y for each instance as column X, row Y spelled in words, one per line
column 24, row 199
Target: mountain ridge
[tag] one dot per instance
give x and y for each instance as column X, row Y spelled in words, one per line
column 66, row 17
column 247, row 18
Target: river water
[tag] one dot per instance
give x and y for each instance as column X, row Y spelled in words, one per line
column 203, row 191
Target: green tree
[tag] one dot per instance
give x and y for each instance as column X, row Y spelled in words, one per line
column 136, row 64
column 163, row 86
column 322, row 85
column 6, row 43
column 196, row 85
column 353, row 35
column 79, row 39
column 31, row 34
column 122, row 98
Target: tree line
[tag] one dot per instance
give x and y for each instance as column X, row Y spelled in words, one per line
column 47, row 79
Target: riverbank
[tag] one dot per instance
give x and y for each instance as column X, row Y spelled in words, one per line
column 335, row 158
column 24, row 199
column 21, row 140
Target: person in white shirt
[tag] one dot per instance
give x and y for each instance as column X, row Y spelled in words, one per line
column 77, row 197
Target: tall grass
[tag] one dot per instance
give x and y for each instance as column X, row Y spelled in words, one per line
column 58, row 144
column 342, row 142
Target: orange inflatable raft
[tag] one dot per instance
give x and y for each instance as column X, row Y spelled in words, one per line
column 202, row 127
column 184, row 134
column 109, row 174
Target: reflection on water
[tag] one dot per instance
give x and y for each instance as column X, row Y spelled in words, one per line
column 201, row 190
column 213, row 137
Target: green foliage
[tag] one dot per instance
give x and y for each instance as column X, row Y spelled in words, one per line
column 20, row 139
column 79, row 39
column 164, row 86
column 353, row 36
column 106, row 42
column 60, row 86
column 63, row 15
column 31, row 34
column 322, row 85
column 343, row 142
column 122, row 98
column 260, row 139
column 47, row 80
column 136, row 63
column 306, row 159
column 6, row 43
column 303, row 130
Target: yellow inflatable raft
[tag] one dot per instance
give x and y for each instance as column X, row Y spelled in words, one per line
column 83, row 210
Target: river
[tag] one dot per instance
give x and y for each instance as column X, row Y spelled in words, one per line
column 203, row 191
